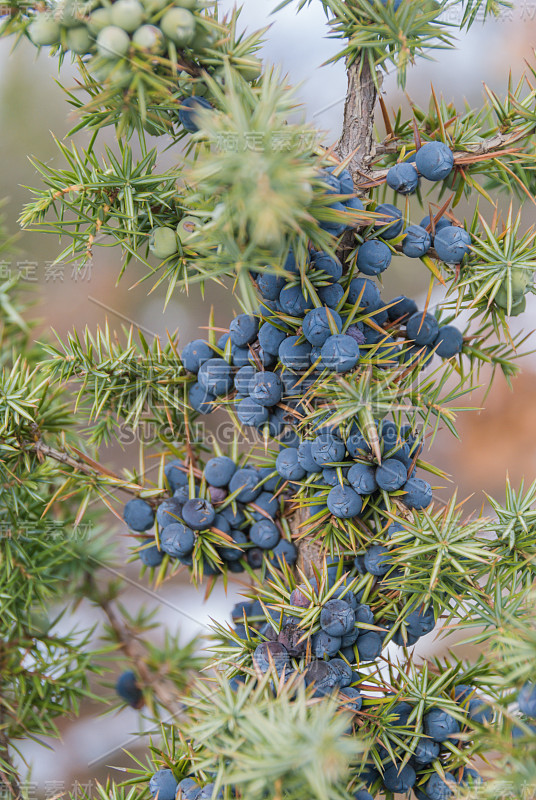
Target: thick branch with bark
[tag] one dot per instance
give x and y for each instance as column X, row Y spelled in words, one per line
column 357, row 140
column 358, row 123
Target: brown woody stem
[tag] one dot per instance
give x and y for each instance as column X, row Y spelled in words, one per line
column 163, row 690
column 356, row 140
column 358, row 123
column 93, row 470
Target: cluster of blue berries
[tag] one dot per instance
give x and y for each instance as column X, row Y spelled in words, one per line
column 340, row 184
column 240, row 506
column 424, row 332
column 450, row 242
column 265, row 364
column 350, row 634
column 438, row 728
column 332, row 336
column 349, row 637
column 343, row 476
column 288, row 648
column 163, row 785
column 433, row 160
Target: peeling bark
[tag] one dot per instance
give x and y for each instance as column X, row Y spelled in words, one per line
column 358, row 124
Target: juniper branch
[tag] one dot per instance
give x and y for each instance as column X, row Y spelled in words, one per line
column 93, row 471
column 8, row 772
column 163, row 690
column 498, row 140
column 498, row 145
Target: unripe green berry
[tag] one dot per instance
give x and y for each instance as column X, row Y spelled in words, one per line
column 113, row 42
column 190, row 4
column 521, row 278
column 151, row 128
column 187, row 86
column 519, row 308
column 79, row 40
column 178, row 24
column 501, row 298
column 44, row 30
column 203, row 38
column 153, row 6
column 149, row 37
column 251, row 70
column 99, row 19
column 127, row 14
column 163, row 242
column 519, row 281
column 186, row 227
column 70, row 16
column 150, row 124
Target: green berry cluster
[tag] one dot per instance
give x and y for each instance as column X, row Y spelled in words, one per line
column 164, row 241
column 112, row 29
column 116, row 30
column 512, row 291
column 155, row 51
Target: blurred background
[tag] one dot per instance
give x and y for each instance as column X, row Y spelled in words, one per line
column 493, row 441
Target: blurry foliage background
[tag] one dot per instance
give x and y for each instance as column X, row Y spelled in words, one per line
column 498, row 440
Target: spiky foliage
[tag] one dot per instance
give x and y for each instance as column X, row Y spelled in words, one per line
column 389, row 36
column 53, row 547
column 249, row 195
column 511, row 655
column 119, row 382
column 114, row 198
column 42, row 560
column 299, row 741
